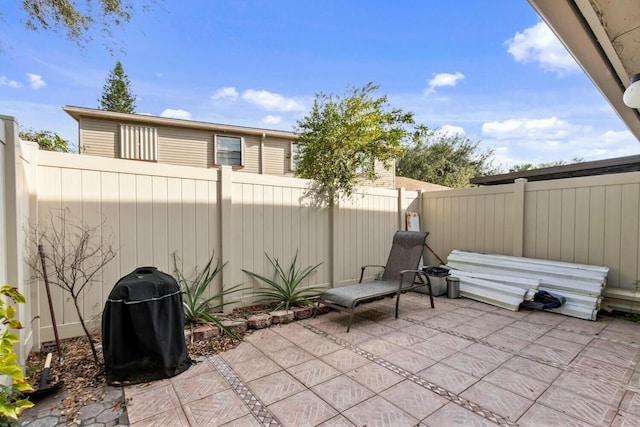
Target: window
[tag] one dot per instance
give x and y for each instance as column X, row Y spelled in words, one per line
column 228, row 150
column 139, row 143
column 293, row 153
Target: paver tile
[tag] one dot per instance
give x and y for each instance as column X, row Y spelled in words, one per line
column 409, row 360
column 448, row 378
column 379, row 347
column 241, row 353
column 489, row 354
column 313, row 372
column 588, row 410
column 318, row 346
column 523, row 384
column 378, row 412
column 432, row 351
column 537, row 370
column 339, row 421
column 302, row 409
column 469, row 330
column 562, row 355
column 415, row 400
column 216, row 409
column 290, row 356
column 570, row 336
column 591, row 388
column 172, row 417
column 624, row 419
column 470, row 364
column 596, row 367
column 342, row 392
column 245, row 421
column 344, row 360
column 194, row 388
column 256, row 368
column 543, row 416
column 502, row 402
column 400, row 338
column 453, row 415
column 151, row 402
column 509, row 343
column 631, row 403
column 275, row 387
column 374, row 377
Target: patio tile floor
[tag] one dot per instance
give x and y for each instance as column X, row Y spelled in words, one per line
column 463, row 363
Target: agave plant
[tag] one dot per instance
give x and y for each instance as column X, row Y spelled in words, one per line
column 198, row 308
column 285, row 288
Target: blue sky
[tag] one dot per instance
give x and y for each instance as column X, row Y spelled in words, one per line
column 488, row 68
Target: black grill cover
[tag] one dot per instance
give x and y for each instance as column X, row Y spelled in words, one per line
column 143, row 328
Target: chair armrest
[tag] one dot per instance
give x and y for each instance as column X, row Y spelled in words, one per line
column 419, row 275
column 365, row 266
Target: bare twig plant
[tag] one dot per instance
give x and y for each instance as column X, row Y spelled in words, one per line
column 75, row 253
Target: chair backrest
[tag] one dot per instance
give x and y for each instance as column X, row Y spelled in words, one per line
column 405, row 254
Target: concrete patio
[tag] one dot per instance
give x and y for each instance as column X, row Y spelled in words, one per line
column 462, row 363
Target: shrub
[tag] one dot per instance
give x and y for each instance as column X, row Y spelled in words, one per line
column 198, row 308
column 285, row 288
column 12, row 382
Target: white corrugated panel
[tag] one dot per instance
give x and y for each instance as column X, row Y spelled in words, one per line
column 505, row 296
column 581, row 285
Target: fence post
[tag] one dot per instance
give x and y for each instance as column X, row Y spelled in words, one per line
column 333, row 243
column 226, row 228
column 518, row 216
column 402, row 222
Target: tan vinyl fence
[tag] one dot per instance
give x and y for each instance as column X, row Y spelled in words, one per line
column 589, row 220
column 153, row 210
column 149, row 211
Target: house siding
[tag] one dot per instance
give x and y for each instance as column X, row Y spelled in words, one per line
column 99, row 137
column 276, row 156
column 193, row 145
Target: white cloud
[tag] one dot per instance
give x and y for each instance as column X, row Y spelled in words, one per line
column 548, row 128
column 451, row 130
column 539, row 44
column 176, row 114
column 225, row 93
column 271, row 120
column 443, row 79
column 36, row 81
column 271, row 101
column 7, row 82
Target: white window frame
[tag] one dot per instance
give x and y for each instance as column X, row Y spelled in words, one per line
column 215, row 149
column 138, row 142
column 293, row 150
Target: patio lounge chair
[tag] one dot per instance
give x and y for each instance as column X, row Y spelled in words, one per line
column 400, row 274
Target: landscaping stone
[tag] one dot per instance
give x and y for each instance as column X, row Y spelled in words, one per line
column 259, row 321
column 282, row 316
column 236, row 326
column 205, row 331
column 300, row 313
column 322, row 309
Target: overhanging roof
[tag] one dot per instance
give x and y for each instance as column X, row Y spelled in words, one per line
column 78, row 112
column 604, row 38
column 598, row 167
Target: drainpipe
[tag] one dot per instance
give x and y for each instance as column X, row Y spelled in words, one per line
column 264, row 135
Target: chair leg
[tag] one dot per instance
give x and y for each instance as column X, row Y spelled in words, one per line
column 350, row 318
column 397, row 303
column 430, row 294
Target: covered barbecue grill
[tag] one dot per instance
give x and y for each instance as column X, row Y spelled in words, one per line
column 143, row 328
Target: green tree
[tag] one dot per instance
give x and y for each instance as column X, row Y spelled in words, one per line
column 75, row 19
column 116, row 92
column 529, row 166
column 46, row 140
column 445, row 159
column 342, row 138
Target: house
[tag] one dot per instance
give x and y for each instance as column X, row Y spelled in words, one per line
column 191, row 143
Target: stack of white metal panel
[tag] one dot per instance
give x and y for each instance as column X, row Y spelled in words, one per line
column 581, row 285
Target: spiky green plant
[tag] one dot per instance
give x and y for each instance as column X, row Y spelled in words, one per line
column 198, row 308
column 285, row 288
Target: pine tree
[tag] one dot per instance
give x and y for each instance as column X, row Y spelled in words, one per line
column 116, row 92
